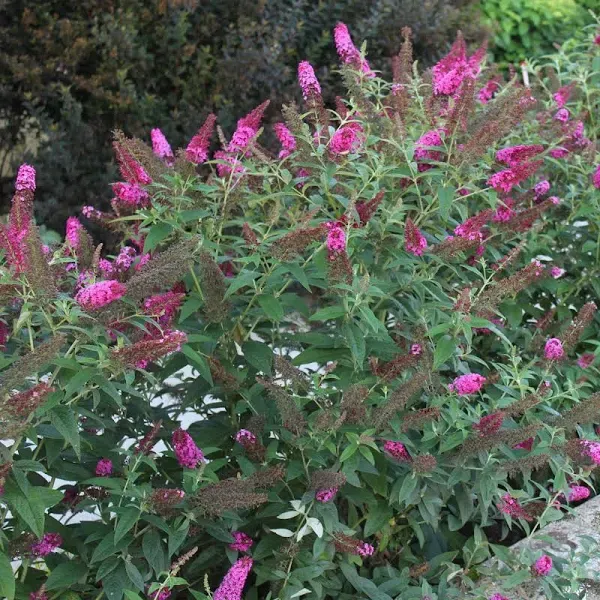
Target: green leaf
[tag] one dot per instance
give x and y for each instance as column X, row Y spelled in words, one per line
column 516, row 579
column 177, row 537
column 259, row 355
column 271, row 306
column 65, row 575
column 63, row 418
column 444, row 349
column 115, row 583
column 134, row 575
column 199, row 362
column 107, row 547
column 377, row 519
column 156, row 235
column 365, row 586
column 153, row 551
column 356, row 343
column 445, row 197
column 29, row 507
column 242, row 280
column 127, row 519
column 298, row 272
column 7, row 578
column 329, row 312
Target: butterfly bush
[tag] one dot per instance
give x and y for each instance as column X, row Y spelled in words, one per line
column 345, row 368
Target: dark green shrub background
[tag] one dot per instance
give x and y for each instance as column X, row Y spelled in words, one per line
column 83, row 68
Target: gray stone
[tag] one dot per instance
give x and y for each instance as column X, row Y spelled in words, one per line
column 563, row 539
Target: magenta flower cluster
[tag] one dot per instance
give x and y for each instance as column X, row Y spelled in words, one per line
column 100, row 294
column 242, row 542
column 542, row 566
column 465, row 385
column 553, row 350
column 186, row 451
column 397, row 450
column 104, row 467
column 48, row 544
column 326, row 495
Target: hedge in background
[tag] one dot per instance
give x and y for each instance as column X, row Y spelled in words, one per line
column 527, row 29
column 84, row 68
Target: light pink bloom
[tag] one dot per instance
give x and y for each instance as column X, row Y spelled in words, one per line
column 397, row 450
column 242, row 542
column 363, row 549
column 25, row 178
column 287, row 140
column 465, row 385
column 229, row 164
column 100, row 294
column 187, row 453
column 557, row 272
column 232, row 586
column 561, row 96
column 424, row 152
column 498, row 597
column 578, row 493
column 245, row 437
column 541, row 187
column 555, row 200
column 562, row 115
column 161, row 147
column 336, row 238
column 326, row 494
column 542, row 566
column 416, row 349
column 308, row 80
column 585, row 360
column 592, row 450
column 104, row 467
column 241, row 138
column 554, row 349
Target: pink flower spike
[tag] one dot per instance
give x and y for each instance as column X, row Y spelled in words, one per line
column 25, row 179
column 104, row 467
column 524, row 445
column 197, row 149
column 326, row 495
column 414, row 240
column 232, row 586
column 555, row 200
column 468, row 384
column 498, row 597
column 345, row 140
column 73, row 228
column 416, row 349
column 241, row 541
column 347, row 51
column 557, row 272
column 517, row 154
column 541, row 188
column 591, row 450
column 161, row 147
column 308, row 81
column 512, row 507
column 100, row 294
column 287, row 140
column 585, row 360
column 48, row 544
column 542, row 566
column 490, row 424
column 554, row 349
column 187, row 453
